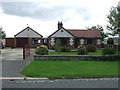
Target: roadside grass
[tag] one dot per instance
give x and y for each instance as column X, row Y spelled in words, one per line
column 71, row 69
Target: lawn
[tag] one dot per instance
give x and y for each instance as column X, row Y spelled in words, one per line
column 62, row 53
column 98, row 52
column 71, row 69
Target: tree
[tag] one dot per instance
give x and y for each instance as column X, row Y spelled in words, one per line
column 2, row 33
column 100, row 28
column 114, row 20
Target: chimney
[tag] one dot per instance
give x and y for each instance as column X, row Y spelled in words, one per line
column 60, row 25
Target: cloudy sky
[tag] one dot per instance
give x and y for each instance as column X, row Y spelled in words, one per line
column 43, row 15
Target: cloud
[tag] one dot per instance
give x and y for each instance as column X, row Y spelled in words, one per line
column 33, row 10
column 45, row 11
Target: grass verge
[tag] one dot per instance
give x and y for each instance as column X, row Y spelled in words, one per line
column 71, row 69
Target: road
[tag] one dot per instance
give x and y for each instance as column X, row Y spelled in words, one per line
column 59, row 83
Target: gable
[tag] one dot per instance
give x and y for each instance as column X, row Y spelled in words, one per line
column 61, row 33
column 28, row 32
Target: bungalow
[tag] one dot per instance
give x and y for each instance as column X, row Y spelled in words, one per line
column 27, row 36
column 75, row 37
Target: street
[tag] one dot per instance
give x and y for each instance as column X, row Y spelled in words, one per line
column 59, row 83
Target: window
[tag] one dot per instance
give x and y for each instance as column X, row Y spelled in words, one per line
column 98, row 41
column 28, row 29
column 116, row 42
column 61, row 30
column 45, row 40
column 82, row 41
column 35, row 41
column 38, row 41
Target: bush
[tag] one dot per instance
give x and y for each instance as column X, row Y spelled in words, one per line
column 82, row 50
column 110, row 41
column 58, row 45
column 65, row 49
column 42, row 50
column 91, row 48
column 108, row 51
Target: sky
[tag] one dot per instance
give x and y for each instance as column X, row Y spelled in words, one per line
column 43, row 15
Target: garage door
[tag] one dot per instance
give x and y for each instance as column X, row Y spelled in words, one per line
column 20, row 42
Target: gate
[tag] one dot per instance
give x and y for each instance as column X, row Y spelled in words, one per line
column 26, row 51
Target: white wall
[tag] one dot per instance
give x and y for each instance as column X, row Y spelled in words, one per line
column 62, row 34
column 28, row 33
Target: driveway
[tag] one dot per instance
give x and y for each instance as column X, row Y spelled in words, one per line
column 12, row 62
column 12, row 54
column 12, row 68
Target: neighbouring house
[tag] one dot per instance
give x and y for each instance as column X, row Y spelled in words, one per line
column 27, row 36
column 75, row 37
column 116, row 42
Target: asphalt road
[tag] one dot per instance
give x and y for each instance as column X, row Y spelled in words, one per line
column 66, row 83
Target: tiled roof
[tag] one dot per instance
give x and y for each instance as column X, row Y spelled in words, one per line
column 85, row 33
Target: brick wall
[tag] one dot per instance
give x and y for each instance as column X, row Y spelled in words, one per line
column 77, row 57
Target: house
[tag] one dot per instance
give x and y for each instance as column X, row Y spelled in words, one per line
column 75, row 37
column 116, row 42
column 27, row 36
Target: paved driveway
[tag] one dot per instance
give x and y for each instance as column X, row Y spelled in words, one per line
column 12, row 62
column 12, row 68
column 12, row 54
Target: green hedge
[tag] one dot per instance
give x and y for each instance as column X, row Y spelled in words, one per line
column 42, row 50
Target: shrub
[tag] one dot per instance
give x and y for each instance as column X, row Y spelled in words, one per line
column 108, row 51
column 65, row 49
column 91, row 48
column 41, row 50
column 58, row 45
column 110, row 41
column 81, row 50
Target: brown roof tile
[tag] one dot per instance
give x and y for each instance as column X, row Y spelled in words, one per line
column 85, row 33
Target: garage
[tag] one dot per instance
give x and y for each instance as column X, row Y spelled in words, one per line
column 20, row 42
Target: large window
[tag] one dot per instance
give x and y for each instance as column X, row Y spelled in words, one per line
column 35, row 41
